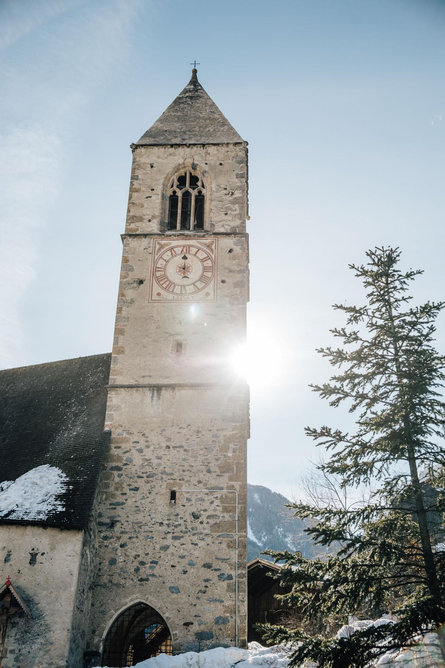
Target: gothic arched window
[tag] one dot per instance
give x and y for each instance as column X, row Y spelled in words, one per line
column 138, row 633
column 186, row 193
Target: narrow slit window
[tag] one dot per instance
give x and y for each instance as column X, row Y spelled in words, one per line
column 173, row 496
column 186, row 199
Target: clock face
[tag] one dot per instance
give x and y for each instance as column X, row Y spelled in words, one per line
column 183, row 270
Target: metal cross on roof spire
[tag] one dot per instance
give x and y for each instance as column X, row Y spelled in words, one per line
column 195, row 64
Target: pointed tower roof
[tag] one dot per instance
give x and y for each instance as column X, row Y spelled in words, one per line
column 192, row 118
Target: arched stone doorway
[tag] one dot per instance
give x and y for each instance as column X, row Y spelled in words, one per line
column 138, row 633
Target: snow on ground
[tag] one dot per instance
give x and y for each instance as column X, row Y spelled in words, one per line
column 357, row 625
column 33, row 496
column 426, row 654
column 256, row 656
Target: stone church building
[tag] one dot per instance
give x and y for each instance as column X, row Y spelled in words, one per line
column 123, row 475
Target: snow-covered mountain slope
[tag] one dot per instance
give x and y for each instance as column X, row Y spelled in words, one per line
column 270, row 525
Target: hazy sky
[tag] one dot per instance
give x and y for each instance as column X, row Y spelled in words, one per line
column 343, row 106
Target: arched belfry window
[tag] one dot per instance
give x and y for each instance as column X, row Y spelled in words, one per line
column 186, row 195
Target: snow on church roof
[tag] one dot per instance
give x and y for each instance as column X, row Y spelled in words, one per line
column 52, row 441
column 35, row 495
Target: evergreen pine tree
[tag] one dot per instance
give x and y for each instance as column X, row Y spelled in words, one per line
column 390, row 559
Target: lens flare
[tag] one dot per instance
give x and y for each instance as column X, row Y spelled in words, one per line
column 261, row 360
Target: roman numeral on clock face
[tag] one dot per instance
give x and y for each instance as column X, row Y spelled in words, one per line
column 202, row 281
column 166, row 283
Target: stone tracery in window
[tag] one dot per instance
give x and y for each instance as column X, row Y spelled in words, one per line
column 186, row 195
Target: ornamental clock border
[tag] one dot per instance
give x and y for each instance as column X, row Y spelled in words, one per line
column 183, row 270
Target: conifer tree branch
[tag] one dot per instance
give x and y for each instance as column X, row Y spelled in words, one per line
column 391, row 378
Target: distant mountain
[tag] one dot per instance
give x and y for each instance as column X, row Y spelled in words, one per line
column 270, row 525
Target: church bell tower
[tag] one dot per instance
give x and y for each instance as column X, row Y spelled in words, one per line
column 171, row 507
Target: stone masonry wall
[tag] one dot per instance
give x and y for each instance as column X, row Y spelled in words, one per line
column 82, row 602
column 179, row 419
column 179, row 558
column 43, row 565
column 223, row 168
column 146, row 334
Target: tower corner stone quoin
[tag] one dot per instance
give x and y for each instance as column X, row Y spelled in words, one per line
column 170, row 514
